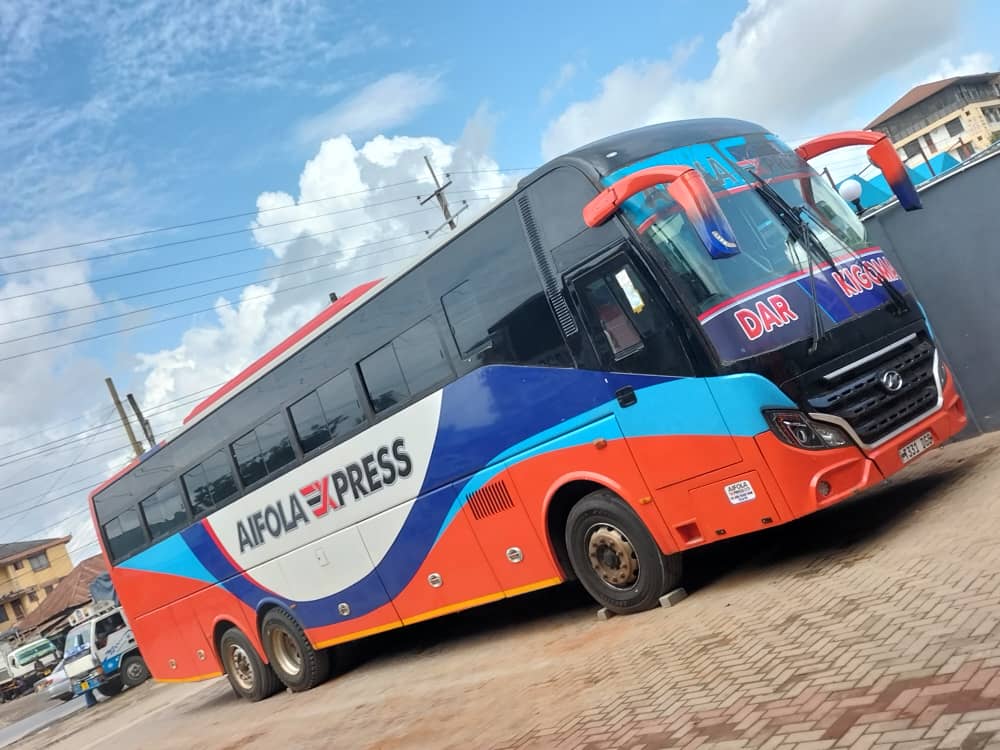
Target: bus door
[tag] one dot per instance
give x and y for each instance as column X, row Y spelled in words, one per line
column 670, row 420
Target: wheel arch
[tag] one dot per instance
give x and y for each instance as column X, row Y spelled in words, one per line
column 559, row 500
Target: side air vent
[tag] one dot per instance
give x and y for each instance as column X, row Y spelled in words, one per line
column 549, row 279
column 489, row 500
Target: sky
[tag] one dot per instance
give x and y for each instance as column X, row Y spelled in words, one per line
column 285, row 141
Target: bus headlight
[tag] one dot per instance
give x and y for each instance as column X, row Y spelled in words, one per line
column 796, row 429
column 942, row 371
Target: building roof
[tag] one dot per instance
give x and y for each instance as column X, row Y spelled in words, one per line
column 71, row 592
column 925, row 90
column 11, row 551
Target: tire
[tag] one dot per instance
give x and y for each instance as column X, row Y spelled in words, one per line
column 615, row 557
column 248, row 675
column 298, row 665
column 134, row 671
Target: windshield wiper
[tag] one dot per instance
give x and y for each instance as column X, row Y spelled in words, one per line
column 791, row 217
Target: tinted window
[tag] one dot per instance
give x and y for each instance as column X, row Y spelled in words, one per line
column 465, row 318
column 310, row 422
column 340, row 405
column 124, row 534
column 164, row 511
column 383, row 379
column 327, row 413
column 264, row 450
column 210, row 483
column 421, row 357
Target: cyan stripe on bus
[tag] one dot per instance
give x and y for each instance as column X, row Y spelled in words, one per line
column 172, row 554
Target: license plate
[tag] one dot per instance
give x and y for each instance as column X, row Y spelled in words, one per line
column 84, row 685
column 915, row 447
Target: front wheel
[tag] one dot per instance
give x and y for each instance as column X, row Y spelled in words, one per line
column 295, row 661
column 111, row 688
column 134, row 671
column 249, row 676
column 615, row 556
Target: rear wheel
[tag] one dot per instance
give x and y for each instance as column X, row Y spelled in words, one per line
column 614, row 555
column 248, row 675
column 134, row 671
column 295, row 661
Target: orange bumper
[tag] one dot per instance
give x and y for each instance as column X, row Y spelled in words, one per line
column 811, row 480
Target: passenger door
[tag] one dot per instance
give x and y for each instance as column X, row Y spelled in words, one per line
column 669, row 418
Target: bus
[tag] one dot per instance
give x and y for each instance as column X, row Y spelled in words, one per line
column 671, row 336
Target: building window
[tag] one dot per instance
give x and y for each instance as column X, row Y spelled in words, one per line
column 18, row 609
column 18, row 564
column 954, row 127
column 992, row 114
column 33, row 597
column 4, row 617
column 39, row 561
column 263, row 451
column 929, row 142
column 911, row 149
column 49, row 589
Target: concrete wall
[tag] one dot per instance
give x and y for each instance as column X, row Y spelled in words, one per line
column 949, row 253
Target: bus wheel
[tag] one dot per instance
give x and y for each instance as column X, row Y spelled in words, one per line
column 134, row 671
column 295, row 661
column 615, row 556
column 249, row 676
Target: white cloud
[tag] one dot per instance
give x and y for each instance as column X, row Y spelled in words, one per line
column 391, row 234
column 385, row 104
column 778, row 64
column 974, row 62
column 567, row 72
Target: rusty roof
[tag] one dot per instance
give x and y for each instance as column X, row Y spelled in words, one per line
column 71, row 592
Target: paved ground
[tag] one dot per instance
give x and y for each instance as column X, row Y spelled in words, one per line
column 873, row 625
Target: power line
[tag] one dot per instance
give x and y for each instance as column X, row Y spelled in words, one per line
column 195, row 312
column 200, row 222
column 190, row 240
column 115, row 422
column 193, row 297
column 175, row 287
column 243, row 214
column 213, row 256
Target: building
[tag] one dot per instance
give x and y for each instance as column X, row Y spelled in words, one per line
column 52, row 615
column 958, row 116
column 29, row 571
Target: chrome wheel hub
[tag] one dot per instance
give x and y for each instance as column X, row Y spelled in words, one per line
column 240, row 667
column 612, row 556
column 286, row 652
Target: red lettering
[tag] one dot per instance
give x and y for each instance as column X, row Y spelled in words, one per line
column 860, row 277
column 750, row 323
column 873, row 272
column 327, row 501
column 885, row 269
column 768, row 317
column 846, row 286
column 781, row 306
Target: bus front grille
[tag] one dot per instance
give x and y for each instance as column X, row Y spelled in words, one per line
column 868, row 399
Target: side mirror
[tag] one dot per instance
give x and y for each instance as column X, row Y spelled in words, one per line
column 882, row 154
column 686, row 186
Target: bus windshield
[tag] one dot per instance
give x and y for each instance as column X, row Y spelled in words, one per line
column 736, row 291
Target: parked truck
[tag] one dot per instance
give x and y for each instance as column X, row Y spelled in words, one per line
column 25, row 665
column 101, row 652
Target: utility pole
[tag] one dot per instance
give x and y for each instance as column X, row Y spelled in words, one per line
column 449, row 218
column 136, row 445
column 147, row 430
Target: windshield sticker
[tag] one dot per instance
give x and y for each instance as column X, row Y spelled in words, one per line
column 632, row 294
